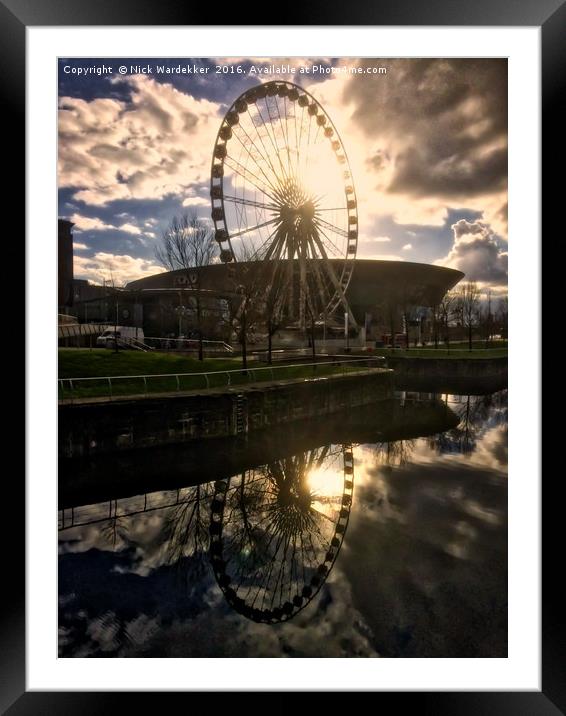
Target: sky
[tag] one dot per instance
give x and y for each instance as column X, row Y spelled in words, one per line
column 426, row 141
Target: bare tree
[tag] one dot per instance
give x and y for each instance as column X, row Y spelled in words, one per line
column 447, row 309
column 188, row 243
column 468, row 301
column 436, row 315
column 390, row 309
column 501, row 315
column 248, row 285
column 273, row 309
column 485, row 319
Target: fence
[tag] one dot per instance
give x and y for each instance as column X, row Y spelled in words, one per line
column 110, row 387
column 187, row 344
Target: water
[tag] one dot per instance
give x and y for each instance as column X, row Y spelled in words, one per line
column 377, row 534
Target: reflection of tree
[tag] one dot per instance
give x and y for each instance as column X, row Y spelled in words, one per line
column 274, row 537
column 477, row 414
column 394, row 453
column 187, row 528
column 115, row 530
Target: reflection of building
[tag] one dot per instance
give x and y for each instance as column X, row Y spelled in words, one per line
column 65, row 264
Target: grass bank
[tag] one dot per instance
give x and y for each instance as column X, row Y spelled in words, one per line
column 97, row 363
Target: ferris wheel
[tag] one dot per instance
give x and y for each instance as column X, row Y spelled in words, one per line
column 282, row 194
column 276, row 531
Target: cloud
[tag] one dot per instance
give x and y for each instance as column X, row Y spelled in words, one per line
column 196, row 201
column 429, row 135
column 407, row 247
column 78, row 246
column 144, row 148
column 382, row 257
column 119, row 268
column 129, row 229
column 374, row 239
column 86, row 223
column 443, row 125
column 477, row 253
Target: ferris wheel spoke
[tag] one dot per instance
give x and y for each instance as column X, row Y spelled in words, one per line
column 253, row 228
column 280, row 150
column 253, row 158
column 333, row 278
column 257, row 253
column 269, row 181
column 271, row 135
column 322, row 456
column 322, row 514
column 249, row 202
column 264, row 155
column 335, row 249
column 245, row 173
column 332, row 227
column 285, row 131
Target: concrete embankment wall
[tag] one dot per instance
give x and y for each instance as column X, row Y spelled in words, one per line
column 113, row 475
column 450, row 375
column 95, row 428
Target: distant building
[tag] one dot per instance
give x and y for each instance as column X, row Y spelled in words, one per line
column 65, row 265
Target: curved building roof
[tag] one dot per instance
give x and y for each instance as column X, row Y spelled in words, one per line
column 372, row 282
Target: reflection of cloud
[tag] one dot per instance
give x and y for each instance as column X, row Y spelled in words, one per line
column 437, row 559
column 422, row 571
column 491, row 448
column 171, row 621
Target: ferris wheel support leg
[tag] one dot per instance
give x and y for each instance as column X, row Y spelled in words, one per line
column 335, row 282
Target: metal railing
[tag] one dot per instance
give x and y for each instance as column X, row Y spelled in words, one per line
column 180, row 344
column 111, row 387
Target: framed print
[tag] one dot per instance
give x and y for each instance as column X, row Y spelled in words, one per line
column 274, row 426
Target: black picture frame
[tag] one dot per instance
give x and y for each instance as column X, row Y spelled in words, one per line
column 550, row 16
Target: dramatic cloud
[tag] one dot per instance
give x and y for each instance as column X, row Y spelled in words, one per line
column 111, row 267
column 477, row 253
column 432, row 134
column 427, row 142
column 86, row 223
column 157, row 143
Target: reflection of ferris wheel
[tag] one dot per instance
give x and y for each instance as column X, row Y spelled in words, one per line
column 282, row 193
column 276, row 531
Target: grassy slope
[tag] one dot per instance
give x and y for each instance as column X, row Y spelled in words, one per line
column 76, row 363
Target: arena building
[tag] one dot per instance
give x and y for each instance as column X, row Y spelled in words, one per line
column 377, row 290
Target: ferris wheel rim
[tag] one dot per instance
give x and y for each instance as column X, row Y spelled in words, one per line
column 300, row 601
column 224, row 234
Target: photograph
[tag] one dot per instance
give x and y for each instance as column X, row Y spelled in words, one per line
column 282, row 357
